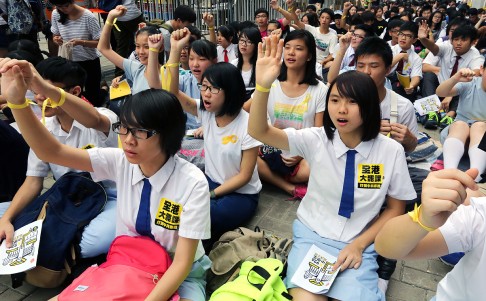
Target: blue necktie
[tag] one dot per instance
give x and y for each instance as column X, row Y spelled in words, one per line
column 142, row 224
column 347, row 198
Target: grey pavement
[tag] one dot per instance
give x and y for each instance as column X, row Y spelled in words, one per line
column 412, row 280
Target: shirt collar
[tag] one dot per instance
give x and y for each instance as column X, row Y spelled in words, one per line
column 364, row 148
column 159, row 179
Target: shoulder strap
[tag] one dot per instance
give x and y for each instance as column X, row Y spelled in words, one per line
column 394, row 107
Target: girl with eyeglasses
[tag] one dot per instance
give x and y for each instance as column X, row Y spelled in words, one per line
column 230, row 153
column 151, row 128
column 247, row 56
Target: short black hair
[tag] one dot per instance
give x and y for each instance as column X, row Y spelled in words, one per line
column 410, row 26
column 59, row 70
column 328, row 11
column 395, row 23
column 227, row 33
column 234, row 89
column 311, row 7
column 361, row 88
column 261, row 10
column 157, row 110
column 369, row 32
column 375, row 46
column 195, row 33
column 368, row 16
column 274, row 21
column 425, row 8
column 246, row 24
column 185, row 13
column 205, row 49
column 465, row 32
column 310, row 76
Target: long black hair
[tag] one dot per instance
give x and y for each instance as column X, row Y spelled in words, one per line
column 254, row 36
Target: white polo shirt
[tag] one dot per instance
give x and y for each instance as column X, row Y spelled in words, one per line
column 179, row 200
column 413, row 66
column 471, row 59
column 232, row 52
column 79, row 137
column 406, row 111
column 224, row 146
column 465, row 231
column 348, row 58
column 431, row 59
column 379, row 162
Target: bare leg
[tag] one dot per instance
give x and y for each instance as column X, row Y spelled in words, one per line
column 300, row 294
column 267, row 175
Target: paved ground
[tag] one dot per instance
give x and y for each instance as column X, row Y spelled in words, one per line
column 412, row 280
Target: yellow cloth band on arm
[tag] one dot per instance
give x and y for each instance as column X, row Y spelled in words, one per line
column 20, row 106
column 49, row 103
column 165, row 77
column 262, row 89
column 415, row 217
column 113, row 24
column 154, row 50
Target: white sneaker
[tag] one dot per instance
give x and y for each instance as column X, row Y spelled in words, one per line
column 383, row 285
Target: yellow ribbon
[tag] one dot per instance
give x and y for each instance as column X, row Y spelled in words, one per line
column 14, row 106
column 113, row 24
column 165, row 77
column 415, row 217
column 51, row 104
column 232, row 138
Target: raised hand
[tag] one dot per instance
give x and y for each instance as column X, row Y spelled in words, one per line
column 180, row 38
column 118, row 11
column 347, row 6
column 345, row 41
column 269, row 61
column 274, row 4
column 15, row 77
column 423, row 32
column 208, row 19
column 156, row 41
column 442, row 192
column 464, row 75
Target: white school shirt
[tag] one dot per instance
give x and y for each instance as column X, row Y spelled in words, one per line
column 232, row 52
column 413, row 66
column 406, row 111
column 431, row 59
column 179, row 199
column 324, row 42
column 347, row 58
column 223, row 148
column 245, row 74
column 79, row 137
column 383, row 162
column 465, row 231
column 471, row 59
column 295, row 112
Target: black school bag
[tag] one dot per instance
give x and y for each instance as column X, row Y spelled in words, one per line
column 66, row 208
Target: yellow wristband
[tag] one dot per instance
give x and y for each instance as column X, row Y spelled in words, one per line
column 154, row 49
column 171, row 65
column 415, row 217
column 113, row 24
column 210, row 28
column 261, row 89
column 18, row 107
column 63, row 97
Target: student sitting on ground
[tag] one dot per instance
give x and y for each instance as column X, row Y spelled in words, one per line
column 76, row 124
column 470, row 124
column 151, row 200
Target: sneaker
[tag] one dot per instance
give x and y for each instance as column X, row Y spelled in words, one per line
column 432, row 121
column 299, row 192
column 446, row 121
column 451, row 259
column 437, row 165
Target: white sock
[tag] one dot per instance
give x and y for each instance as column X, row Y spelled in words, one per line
column 453, row 150
column 477, row 157
column 383, row 285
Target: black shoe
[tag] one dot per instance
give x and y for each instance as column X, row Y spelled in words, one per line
column 386, row 267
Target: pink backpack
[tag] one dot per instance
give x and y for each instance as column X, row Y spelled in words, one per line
column 131, row 271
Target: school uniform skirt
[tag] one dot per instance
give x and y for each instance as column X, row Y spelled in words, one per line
column 351, row 284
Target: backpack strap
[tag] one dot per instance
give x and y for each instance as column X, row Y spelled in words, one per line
column 394, row 107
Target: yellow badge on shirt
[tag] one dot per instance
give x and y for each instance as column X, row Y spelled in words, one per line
column 232, row 138
column 370, row 176
column 88, row 146
column 169, row 214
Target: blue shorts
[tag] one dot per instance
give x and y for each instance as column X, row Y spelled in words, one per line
column 194, row 287
column 352, row 284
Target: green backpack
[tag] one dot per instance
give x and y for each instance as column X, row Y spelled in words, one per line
column 257, row 281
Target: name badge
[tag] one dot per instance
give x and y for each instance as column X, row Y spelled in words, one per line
column 370, row 176
column 169, row 214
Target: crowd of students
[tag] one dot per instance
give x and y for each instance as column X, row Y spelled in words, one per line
column 311, row 103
